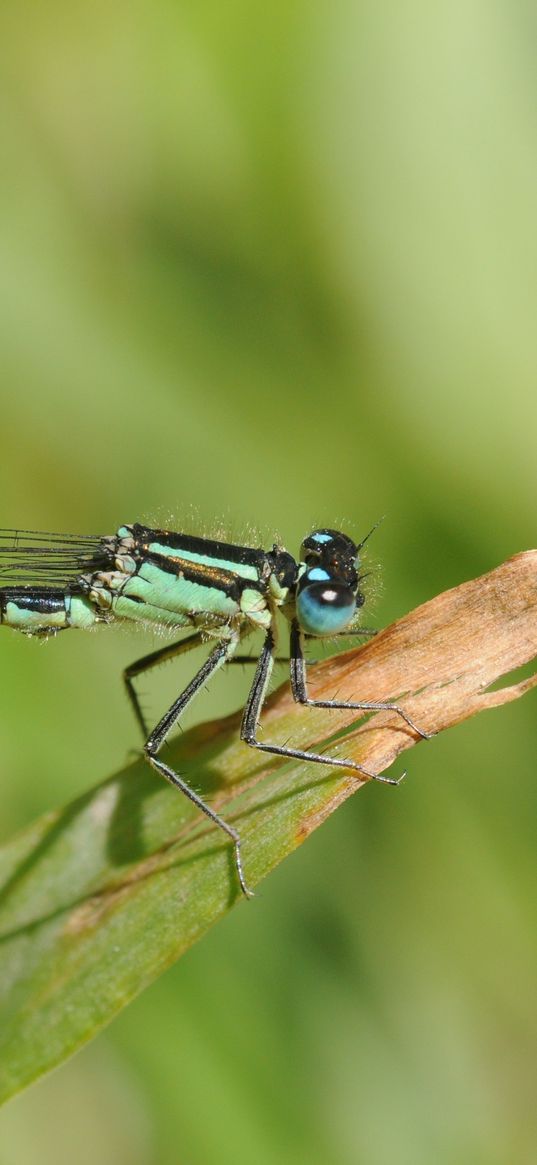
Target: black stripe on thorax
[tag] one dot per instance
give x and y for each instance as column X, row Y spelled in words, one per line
column 230, row 584
column 228, row 551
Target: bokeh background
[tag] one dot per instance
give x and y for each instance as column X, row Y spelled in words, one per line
column 277, row 266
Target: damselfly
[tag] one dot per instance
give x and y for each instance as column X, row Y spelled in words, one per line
column 220, row 591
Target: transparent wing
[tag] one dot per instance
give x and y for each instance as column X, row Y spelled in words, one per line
column 56, row 560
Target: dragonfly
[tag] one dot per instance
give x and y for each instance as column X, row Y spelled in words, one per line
column 205, row 591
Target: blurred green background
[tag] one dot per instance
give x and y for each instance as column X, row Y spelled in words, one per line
column 277, row 267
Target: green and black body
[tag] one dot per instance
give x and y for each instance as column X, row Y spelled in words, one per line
column 219, row 592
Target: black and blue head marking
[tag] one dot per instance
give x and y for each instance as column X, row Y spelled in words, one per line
column 327, row 594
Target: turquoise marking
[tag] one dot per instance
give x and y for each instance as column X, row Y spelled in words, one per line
column 125, row 608
column 31, row 621
column 278, row 592
column 244, row 570
column 82, row 613
column 172, row 593
column 76, row 611
column 321, row 537
column 317, row 574
column 253, row 605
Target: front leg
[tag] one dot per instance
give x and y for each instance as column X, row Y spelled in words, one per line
column 300, row 690
column 252, row 712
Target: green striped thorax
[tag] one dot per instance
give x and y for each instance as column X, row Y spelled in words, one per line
column 178, row 579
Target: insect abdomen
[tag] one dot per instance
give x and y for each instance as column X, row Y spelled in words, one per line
column 42, row 610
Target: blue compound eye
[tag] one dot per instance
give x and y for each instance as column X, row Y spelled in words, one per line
column 325, row 608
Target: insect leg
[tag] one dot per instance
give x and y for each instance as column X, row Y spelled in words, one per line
column 153, row 659
column 221, row 654
column 252, row 712
column 254, row 658
column 300, row 691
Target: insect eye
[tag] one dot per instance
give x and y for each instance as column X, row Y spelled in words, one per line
column 325, row 608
